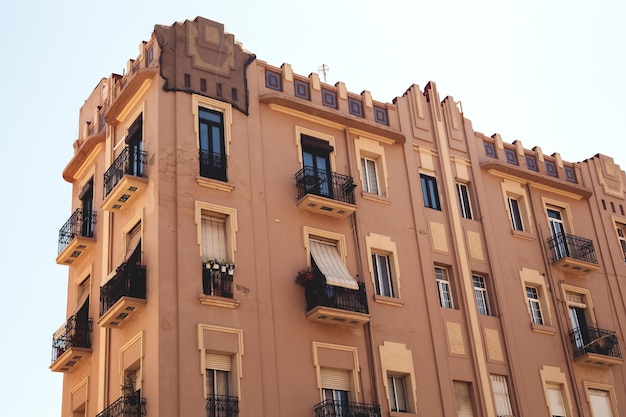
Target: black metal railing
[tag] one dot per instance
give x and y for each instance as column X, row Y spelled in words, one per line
column 563, row 245
column 77, row 334
column 217, row 282
column 129, row 281
column 126, row 406
column 592, row 340
column 325, row 184
column 319, row 293
column 212, row 165
column 129, row 162
column 80, row 223
column 332, row 408
column 222, row 406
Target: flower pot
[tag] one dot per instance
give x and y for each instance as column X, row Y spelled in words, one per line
column 223, row 267
column 216, row 266
column 231, row 271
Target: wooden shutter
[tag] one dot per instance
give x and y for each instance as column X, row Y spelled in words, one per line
column 463, row 398
column 218, row 362
column 335, row 379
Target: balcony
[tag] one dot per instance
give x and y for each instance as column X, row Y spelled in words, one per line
column 76, row 239
column 222, row 406
column 325, row 192
column 217, row 285
column 573, row 254
column 126, row 406
column 71, row 344
column 123, row 296
column 333, row 408
column 335, row 305
column 124, row 180
column 595, row 346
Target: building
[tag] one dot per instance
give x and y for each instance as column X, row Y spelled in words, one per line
column 249, row 241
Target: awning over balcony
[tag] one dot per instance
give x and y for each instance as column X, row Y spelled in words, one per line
column 329, row 263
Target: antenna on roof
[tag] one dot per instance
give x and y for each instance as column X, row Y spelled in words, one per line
column 323, row 69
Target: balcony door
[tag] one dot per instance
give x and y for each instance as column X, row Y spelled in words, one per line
column 335, row 392
column 86, row 198
column 316, row 163
column 557, row 230
column 577, row 309
column 134, row 142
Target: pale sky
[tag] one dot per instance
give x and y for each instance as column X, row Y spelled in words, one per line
column 549, row 73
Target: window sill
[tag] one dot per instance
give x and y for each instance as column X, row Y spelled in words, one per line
column 401, row 414
column 392, row 301
column 375, row 197
column 211, row 300
column 542, row 328
column 215, row 184
column 523, row 235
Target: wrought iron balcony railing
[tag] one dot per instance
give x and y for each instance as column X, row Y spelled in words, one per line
column 592, row 340
column 130, row 162
column 332, row 408
column 563, row 245
column 77, row 334
column 318, row 293
column 217, row 282
column 129, row 281
column 80, row 223
column 126, row 406
column 212, row 165
column 325, row 184
column 222, row 406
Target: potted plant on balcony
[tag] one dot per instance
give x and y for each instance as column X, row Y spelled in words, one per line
column 304, row 275
column 231, row 269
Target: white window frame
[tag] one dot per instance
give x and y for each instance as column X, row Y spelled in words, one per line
column 444, row 287
column 397, row 393
column 381, row 263
column 481, row 294
column 534, row 304
column 465, row 202
column 515, row 212
column 369, row 172
column 620, row 229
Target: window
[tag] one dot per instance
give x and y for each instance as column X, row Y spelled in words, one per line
column 218, row 386
column 335, row 392
column 555, row 399
column 134, row 141
column 216, row 281
column 621, row 237
column 443, row 286
column 501, row 398
column 397, row 393
column 464, row 200
column 557, row 230
column 532, row 294
column 88, row 216
column 316, row 166
column 463, row 397
column 430, row 192
column 514, row 210
column 211, row 144
column 480, row 292
column 370, row 178
column 382, row 275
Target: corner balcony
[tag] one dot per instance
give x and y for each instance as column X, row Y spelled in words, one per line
column 335, row 305
column 76, row 239
column 222, row 406
column 325, row 192
column 573, row 254
column 124, row 180
column 595, row 346
column 126, row 406
column 71, row 344
column 334, row 408
column 123, row 297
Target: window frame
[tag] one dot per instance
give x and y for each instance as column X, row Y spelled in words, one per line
column 392, row 385
column 380, row 260
column 483, row 291
column 430, row 192
column 465, row 202
column 621, row 237
column 515, row 214
column 501, row 398
column 383, row 245
column 444, row 287
column 536, row 302
column 369, row 183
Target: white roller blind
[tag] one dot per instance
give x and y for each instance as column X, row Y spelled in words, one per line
column 600, row 403
column 335, row 379
column 501, row 397
column 214, row 239
column 557, row 408
column 218, row 362
column 463, row 399
column 329, row 262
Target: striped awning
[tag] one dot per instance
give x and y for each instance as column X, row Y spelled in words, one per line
column 329, row 263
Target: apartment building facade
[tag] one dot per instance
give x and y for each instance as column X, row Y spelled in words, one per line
column 245, row 240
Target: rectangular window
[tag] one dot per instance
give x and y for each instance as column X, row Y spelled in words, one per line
column 480, row 292
column 463, row 397
column 501, row 398
column 370, row 177
column 430, row 192
column 600, row 403
column 555, row 398
column 217, row 275
column 335, row 392
column 464, row 200
column 218, row 385
column 212, row 146
column 214, row 242
column 382, row 275
column 532, row 294
column 621, row 236
column 397, row 393
column 443, row 286
column 516, row 216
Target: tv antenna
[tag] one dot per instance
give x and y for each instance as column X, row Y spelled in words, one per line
column 324, row 70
